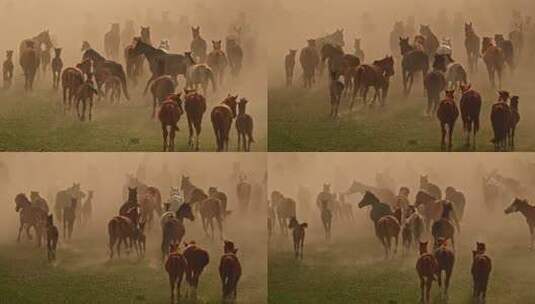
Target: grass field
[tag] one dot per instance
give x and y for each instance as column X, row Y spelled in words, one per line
column 35, row 122
column 298, row 120
column 351, row 268
column 84, row 274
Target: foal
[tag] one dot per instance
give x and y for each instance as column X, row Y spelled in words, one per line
column 57, row 67
column 244, row 126
column 446, row 259
column 176, row 266
column 447, row 113
column 298, row 236
column 470, row 105
column 7, row 69
column 481, row 268
column 52, row 235
column 427, row 267
column 85, row 94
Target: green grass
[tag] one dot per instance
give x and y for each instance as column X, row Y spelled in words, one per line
column 351, row 269
column 298, row 121
column 35, row 122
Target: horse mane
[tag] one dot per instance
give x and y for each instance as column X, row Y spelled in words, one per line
column 22, row 198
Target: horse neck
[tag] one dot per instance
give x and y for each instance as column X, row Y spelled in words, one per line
column 526, row 210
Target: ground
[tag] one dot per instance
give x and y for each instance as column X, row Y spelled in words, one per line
column 298, row 120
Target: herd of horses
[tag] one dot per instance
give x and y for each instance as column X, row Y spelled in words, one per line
column 97, row 76
column 435, row 212
column 349, row 76
column 128, row 229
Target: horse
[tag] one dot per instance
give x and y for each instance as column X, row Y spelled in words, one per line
column 508, row 51
column 414, row 227
column 169, row 115
column 430, row 207
column 197, row 259
column 102, row 68
column 243, row 192
column 285, row 209
column 134, row 62
column 217, row 61
column 150, row 202
column 431, row 188
column 447, row 113
column 29, row 62
column 221, row 117
column 431, row 42
column 112, row 88
column 358, row 52
column 52, row 236
column 30, row 216
column 289, row 66
column 161, row 62
column 64, row 199
column 229, row 271
column 528, row 211
column 336, row 89
column 515, row 118
column 434, row 83
column 481, row 268
column 69, row 217
column 472, row 43
column 309, row 59
column 198, row 45
column 45, row 57
column 176, row 266
column 470, row 106
column 384, row 195
column 326, row 219
column 85, row 95
column 71, row 80
column 211, row 208
column 235, row 56
column 336, row 39
column 195, row 106
column 500, row 117
column 244, row 126
column 334, row 56
column 87, row 208
column 173, row 229
column 112, row 41
column 7, row 69
column 386, row 225
column 200, row 75
column 446, row 260
column 121, row 228
column 57, row 67
column 298, row 234
column 427, row 268
column 413, row 61
column 494, row 59
column 457, row 199
column 376, row 75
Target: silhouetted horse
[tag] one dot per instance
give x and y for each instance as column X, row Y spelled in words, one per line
column 413, row 61
column 112, row 41
column 71, row 80
column 494, row 60
column 230, row 271
column 334, row 56
column 134, row 62
column 173, row 229
column 7, row 69
column 244, row 126
column 470, row 105
column 52, row 236
column 472, row 43
column 121, row 229
column 447, row 114
column 298, row 233
column 427, row 268
column 434, row 83
column 69, row 217
column 176, row 266
column 85, row 95
column 508, row 51
column 169, row 115
column 285, row 209
column 29, row 61
column 197, row 259
column 217, row 61
column 431, row 188
column 431, row 42
column 289, row 67
column 376, row 75
column 221, row 117
column 326, row 219
column 195, row 106
column 528, row 211
column 309, row 59
column 198, row 45
column 200, row 75
column 500, row 117
column 235, row 56
column 57, row 67
column 30, row 216
column 243, row 192
column 161, row 88
column 446, row 260
column 481, row 268
column 515, row 118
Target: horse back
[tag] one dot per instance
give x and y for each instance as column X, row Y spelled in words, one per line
column 427, row 265
column 195, row 104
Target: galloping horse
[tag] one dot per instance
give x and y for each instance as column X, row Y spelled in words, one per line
column 102, row 68
column 30, row 216
column 121, row 228
column 195, row 106
column 173, row 229
column 309, row 59
column 30, row 56
column 243, row 191
column 528, row 211
column 376, row 75
column 494, row 60
column 384, row 195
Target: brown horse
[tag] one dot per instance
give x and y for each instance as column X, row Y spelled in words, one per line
column 173, row 229
column 309, row 59
column 494, row 60
column 243, row 191
column 198, row 45
column 7, row 69
column 176, row 266
column 446, row 259
column 447, row 113
column 376, row 75
column 336, row 89
column 103, row 68
column 69, row 217
column 57, row 67
column 229, row 271
column 150, row 202
column 160, row 89
column 298, row 234
column 472, row 43
column 244, row 126
column 30, row 216
column 289, row 66
column 528, row 211
column 285, row 209
column 121, row 228
column 470, row 105
column 52, row 236
column 212, row 208
column 85, row 95
column 71, row 80
column 222, row 116
column 500, row 117
column 481, row 268
column 431, row 188
column 169, row 115
column 427, row 268
column 195, row 106
column 515, row 118
column 200, row 75
column 197, row 259
column 413, row 61
column 217, row 61
column 430, row 207
column 386, row 229
column 112, row 42
column 434, row 84
column 29, row 61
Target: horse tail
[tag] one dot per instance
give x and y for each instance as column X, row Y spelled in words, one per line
column 122, row 76
column 113, row 232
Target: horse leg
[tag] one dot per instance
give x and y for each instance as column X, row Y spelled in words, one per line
column 450, row 135
column 171, row 142
column 411, row 81
column 448, row 277
column 148, row 84
column 220, row 227
column 405, row 76
column 531, row 228
column 164, row 135
column 172, row 284
column 239, row 140
column 21, row 228
column 198, row 132
column 422, row 284
column 90, row 112
column 190, row 128
column 443, row 130
column 83, row 109
column 428, row 284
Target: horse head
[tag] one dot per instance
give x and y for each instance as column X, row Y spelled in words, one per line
column 423, row 198
column 480, row 248
column 425, row 30
column 132, row 195
column 229, row 247
column 21, row 202
column 423, row 248
column 216, row 44
column 242, row 105
column 231, row 102
column 185, row 182
column 185, row 211
column 450, row 94
column 276, row 197
column 368, row 199
column 517, row 205
column 196, row 32
column 293, row 223
column 503, row 96
column 44, row 38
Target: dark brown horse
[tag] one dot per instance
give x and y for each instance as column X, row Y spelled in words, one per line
column 413, row 61
column 7, row 69
column 212, row 208
column 134, row 61
column 71, row 80
column 298, row 234
column 443, row 227
column 447, row 114
column 222, row 116
column 500, row 118
column 528, row 211
column 197, row 259
column 244, row 126
column 434, row 83
column 470, row 105
column 121, row 228
column 30, row 216
column 285, row 209
column 69, row 217
column 57, row 67
column 427, row 268
column 198, row 45
column 29, row 61
column 472, row 43
column 52, row 236
column 494, row 60
column 230, row 271
column 169, row 115
column 176, row 266
column 195, row 106
column 85, row 95
column 515, row 118
column 289, row 67
column 309, row 59
column 376, row 75
column 160, row 89
column 173, row 229
column 102, row 68
column 446, row 260
column 481, row 268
